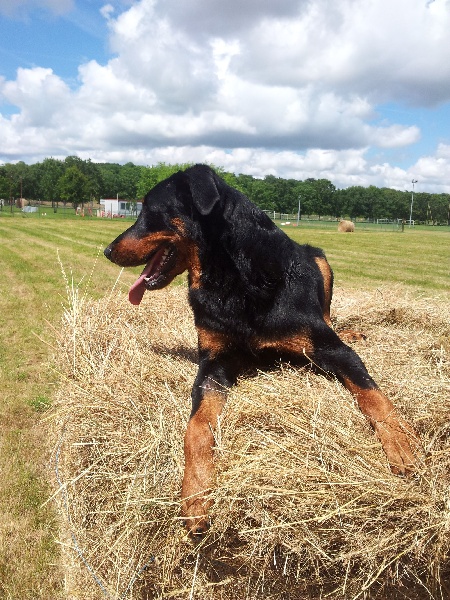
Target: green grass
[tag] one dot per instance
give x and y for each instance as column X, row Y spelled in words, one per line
column 419, row 257
column 32, row 292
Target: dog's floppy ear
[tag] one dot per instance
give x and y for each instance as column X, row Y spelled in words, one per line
column 205, row 194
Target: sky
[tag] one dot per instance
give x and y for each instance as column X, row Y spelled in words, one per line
column 355, row 91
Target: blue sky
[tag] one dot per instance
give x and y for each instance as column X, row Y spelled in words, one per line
column 434, row 124
column 38, row 37
column 358, row 93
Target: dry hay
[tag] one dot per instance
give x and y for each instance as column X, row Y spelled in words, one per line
column 305, row 506
column 346, row 226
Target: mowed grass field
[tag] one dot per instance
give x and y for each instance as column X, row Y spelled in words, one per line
column 32, row 295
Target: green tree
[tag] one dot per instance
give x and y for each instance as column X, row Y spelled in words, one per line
column 285, row 193
column 120, row 180
column 4, row 186
column 74, row 186
column 13, row 175
column 110, row 179
column 92, row 173
column 261, row 195
column 4, row 183
column 433, row 208
column 129, row 177
column 21, row 179
column 398, row 203
column 322, row 201
column 245, row 184
column 306, row 192
column 366, row 202
column 50, row 171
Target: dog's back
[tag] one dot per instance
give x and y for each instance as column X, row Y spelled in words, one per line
column 255, row 281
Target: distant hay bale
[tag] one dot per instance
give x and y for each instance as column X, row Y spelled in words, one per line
column 21, row 202
column 305, row 506
column 346, row 226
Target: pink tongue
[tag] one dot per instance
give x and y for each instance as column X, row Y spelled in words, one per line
column 137, row 290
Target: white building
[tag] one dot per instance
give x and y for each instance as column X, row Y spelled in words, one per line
column 114, row 207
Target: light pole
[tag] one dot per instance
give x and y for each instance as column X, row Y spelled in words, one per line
column 299, row 208
column 10, row 192
column 412, row 201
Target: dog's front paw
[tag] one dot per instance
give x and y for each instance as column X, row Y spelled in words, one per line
column 195, row 516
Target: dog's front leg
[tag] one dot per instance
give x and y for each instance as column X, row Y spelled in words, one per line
column 198, row 477
column 214, row 377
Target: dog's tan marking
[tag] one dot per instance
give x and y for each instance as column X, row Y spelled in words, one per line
column 199, row 462
column 346, row 335
column 212, row 341
column 189, row 251
column 179, row 226
column 293, row 344
column 395, row 434
column 131, row 251
column 325, row 271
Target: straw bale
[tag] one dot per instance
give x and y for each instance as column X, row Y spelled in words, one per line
column 305, row 505
column 346, row 226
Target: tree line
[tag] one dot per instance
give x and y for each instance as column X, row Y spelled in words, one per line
column 75, row 181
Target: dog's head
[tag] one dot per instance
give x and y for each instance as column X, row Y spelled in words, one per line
column 164, row 236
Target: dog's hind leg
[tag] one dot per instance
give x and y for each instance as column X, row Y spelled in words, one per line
column 396, row 435
column 333, row 357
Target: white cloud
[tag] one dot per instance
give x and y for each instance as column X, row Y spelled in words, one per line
column 107, row 10
column 39, row 94
column 377, row 49
column 394, row 136
column 289, row 88
column 434, row 169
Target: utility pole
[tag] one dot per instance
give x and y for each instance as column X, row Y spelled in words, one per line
column 412, row 202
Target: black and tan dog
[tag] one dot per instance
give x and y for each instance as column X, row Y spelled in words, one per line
column 257, row 298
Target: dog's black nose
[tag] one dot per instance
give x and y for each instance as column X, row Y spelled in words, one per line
column 107, row 252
